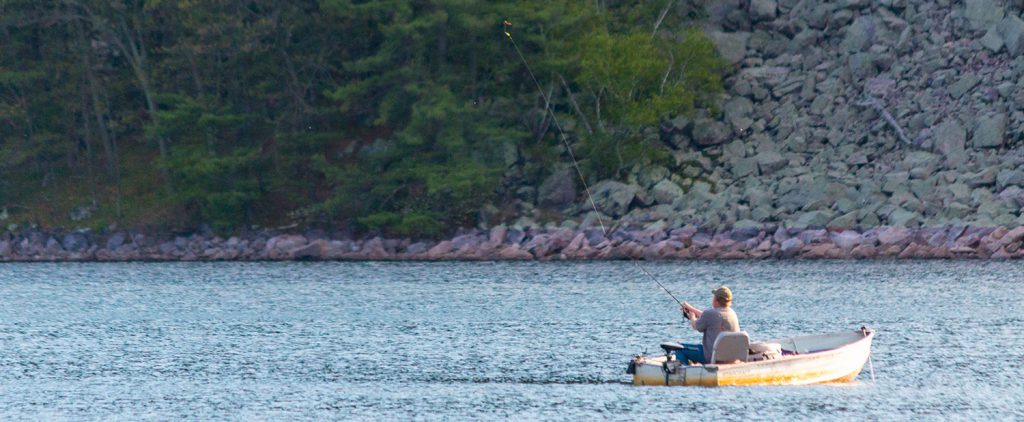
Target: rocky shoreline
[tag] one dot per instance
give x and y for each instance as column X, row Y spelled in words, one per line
column 896, row 125
column 847, row 115
column 502, row 243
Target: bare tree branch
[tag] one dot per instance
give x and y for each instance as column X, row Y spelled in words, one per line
column 661, row 17
column 546, row 121
column 575, row 105
column 664, row 79
column 873, row 102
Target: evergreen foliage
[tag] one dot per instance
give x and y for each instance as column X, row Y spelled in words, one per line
column 401, row 116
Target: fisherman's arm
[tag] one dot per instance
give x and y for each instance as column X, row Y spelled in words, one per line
column 689, row 308
column 693, row 321
column 691, row 314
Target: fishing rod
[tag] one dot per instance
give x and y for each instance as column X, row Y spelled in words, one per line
column 575, row 164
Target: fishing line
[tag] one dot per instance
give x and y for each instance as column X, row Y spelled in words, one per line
column 575, row 164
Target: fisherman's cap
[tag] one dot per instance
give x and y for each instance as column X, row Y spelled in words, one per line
column 723, row 294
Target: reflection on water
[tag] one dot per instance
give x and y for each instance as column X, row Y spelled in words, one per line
column 488, row 340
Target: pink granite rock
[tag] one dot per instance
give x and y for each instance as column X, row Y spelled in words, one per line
column 889, row 251
column 733, row 255
column 893, row 236
column 791, row 247
column 864, row 252
column 1013, row 236
column 514, row 253
column 914, row 251
column 440, row 250
column 847, row 239
column 962, row 250
column 575, row 245
column 822, row 251
column 497, row 234
column 312, row 250
column 1001, row 254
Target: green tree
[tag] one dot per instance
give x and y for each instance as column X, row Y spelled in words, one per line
column 403, row 116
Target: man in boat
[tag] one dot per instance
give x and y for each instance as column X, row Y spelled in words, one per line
column 718, row 319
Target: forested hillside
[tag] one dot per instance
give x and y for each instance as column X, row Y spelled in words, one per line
column 401, row 116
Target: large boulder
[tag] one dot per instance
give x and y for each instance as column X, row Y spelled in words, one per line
column 707, row 132
column 986, row 177
column 558, row 190
column 763, row 10
column 845, row 221
column 115, row 241
column 904, row 218
column 613, row 198
column 847, row 239
column 742, row 167
column 920, row 164
column 514, row 253
column 285, row 242
column 649, row 176
column 74, row 242
column 990, row 131
column 1011, row 33
column 676, row 132
column 497, row 234
column 699, row 195
column 1008, row 178
column 53, row 247
column 719, row 11
column 992, row 40
column 790, row 247
column 311, row 250
column 893, row 236
column 737, row 112
column 440, row 250
column 168, row 249
column 950, row 137
column 963, row 85
column 770, row 162
column 813, row 219
column 981, row 14
column 895, row 181
column 860, row 34
column 666, row 192
column 281, row 247
column 731, row 45
column 862, row 65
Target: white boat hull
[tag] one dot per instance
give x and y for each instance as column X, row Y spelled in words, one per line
column 819, row 359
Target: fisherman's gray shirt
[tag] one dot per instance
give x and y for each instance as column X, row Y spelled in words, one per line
column 713, row 322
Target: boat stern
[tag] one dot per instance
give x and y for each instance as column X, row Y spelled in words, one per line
column 663, row 370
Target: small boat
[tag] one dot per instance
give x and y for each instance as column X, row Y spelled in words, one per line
column 814, row 359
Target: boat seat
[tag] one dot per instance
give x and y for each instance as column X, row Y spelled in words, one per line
column 731, row 347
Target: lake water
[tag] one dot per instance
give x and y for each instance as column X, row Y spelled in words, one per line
column 410, row 341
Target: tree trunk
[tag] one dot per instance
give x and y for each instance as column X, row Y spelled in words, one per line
column 576, row 106
column 135, row 50
column 87, row 135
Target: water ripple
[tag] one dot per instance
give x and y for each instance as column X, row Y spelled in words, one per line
column 437, row 341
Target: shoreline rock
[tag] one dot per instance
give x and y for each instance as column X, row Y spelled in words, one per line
column 687, row 243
